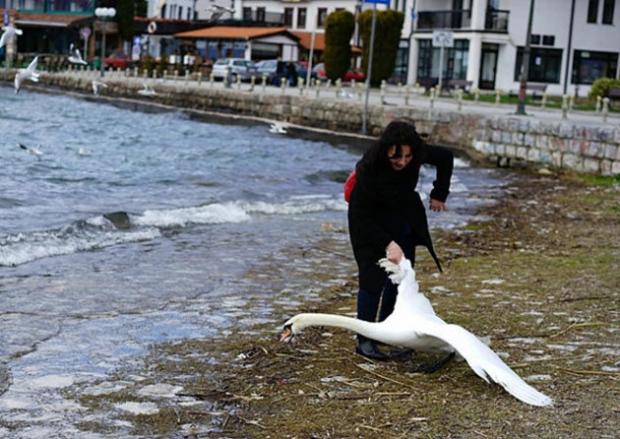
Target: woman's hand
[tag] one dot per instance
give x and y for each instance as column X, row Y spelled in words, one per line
column 437, row 206
column 393, row 252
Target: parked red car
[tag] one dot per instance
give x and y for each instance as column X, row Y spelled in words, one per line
column 118, row 60
column 352, row 74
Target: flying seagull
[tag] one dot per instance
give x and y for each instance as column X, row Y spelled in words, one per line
column 414, row 324
column 278, row 128
column 34, row 151
column 9, row 32
column 75, row 57
column 27, row 73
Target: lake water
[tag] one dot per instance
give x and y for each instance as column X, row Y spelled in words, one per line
column 200, row 205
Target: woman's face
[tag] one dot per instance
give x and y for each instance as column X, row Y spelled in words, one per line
column 399, row 158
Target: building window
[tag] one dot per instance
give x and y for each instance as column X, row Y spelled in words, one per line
column 545, row 65
column 189, row 14
column 247, row 14
column 401, row 64
column 589, row 66
column 592, row 11
column 608, row 11
column 260, row 15
column 535, row 39
column 454, row 63
column 288, row 17
column 321, row 15
column 548, row 40
column 180, row 16
column 301, row 18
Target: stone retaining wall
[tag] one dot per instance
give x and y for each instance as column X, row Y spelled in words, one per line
column 560, row 144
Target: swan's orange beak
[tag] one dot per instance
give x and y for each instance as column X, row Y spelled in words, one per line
column 287, row 335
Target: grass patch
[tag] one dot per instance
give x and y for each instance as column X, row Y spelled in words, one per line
column 599, row 180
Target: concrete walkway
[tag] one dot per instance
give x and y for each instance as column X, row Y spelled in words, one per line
column 394, row 96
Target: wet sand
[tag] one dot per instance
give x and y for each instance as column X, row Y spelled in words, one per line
column 540, row 278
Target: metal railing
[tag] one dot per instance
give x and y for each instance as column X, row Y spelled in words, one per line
column 51, row 7
column 453, row 19
column 497, row 20
column 259, row 16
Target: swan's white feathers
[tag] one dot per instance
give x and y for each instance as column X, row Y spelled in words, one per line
column 414, row 324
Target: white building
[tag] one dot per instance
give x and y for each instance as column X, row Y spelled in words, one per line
column 569, row 47
column 573, row 41
column 192, row 9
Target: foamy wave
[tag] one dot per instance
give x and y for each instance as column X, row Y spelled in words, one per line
column 100, row 231
column 296, row 205
column 210, row 214
column 235, row 212
column 25, row 247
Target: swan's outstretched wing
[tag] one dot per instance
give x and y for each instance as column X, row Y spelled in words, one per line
column 484, row 362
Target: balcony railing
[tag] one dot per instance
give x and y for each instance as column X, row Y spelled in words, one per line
column 50, row 6
column 258, row 16
column 455, row 19
column 496, row 20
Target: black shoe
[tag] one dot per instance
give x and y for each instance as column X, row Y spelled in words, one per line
column 400, row 354
column 368, row 349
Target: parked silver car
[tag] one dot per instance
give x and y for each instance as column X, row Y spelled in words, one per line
column 238, row 67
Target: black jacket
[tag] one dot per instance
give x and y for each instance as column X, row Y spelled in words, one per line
column 385, row 203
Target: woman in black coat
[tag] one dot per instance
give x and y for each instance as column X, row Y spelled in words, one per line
column 387, row 217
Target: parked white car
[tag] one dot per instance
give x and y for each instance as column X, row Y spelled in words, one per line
column 239, row 68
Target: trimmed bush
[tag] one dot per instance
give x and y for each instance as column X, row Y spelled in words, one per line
column 387, row 39
column 125, row 10
column 601, row 87
column 339, row 26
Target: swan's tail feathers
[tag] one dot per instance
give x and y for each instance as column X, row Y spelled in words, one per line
column 486, row 363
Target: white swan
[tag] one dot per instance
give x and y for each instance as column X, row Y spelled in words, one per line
column 413, row 324
column 27, row 73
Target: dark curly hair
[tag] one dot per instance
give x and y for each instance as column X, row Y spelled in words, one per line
column 397, row 133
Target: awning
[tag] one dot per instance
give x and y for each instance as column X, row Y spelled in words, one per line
column 305, row 41
column 236, row 33
column 29, row 19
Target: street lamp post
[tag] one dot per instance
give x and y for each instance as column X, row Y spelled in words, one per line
column 525, row 64
column 103, row 14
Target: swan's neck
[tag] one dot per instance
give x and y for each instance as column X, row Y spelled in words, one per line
column 315, row 319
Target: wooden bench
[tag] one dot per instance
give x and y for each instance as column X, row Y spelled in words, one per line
column 613, row 94
column 456, row 84
column 531, row 89
column 427, row 83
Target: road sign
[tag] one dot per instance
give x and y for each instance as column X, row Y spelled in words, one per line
column 85, row 32
column 443, row 38
column 379, row 2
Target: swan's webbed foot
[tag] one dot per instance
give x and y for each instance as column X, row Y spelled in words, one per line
column 434, row 367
